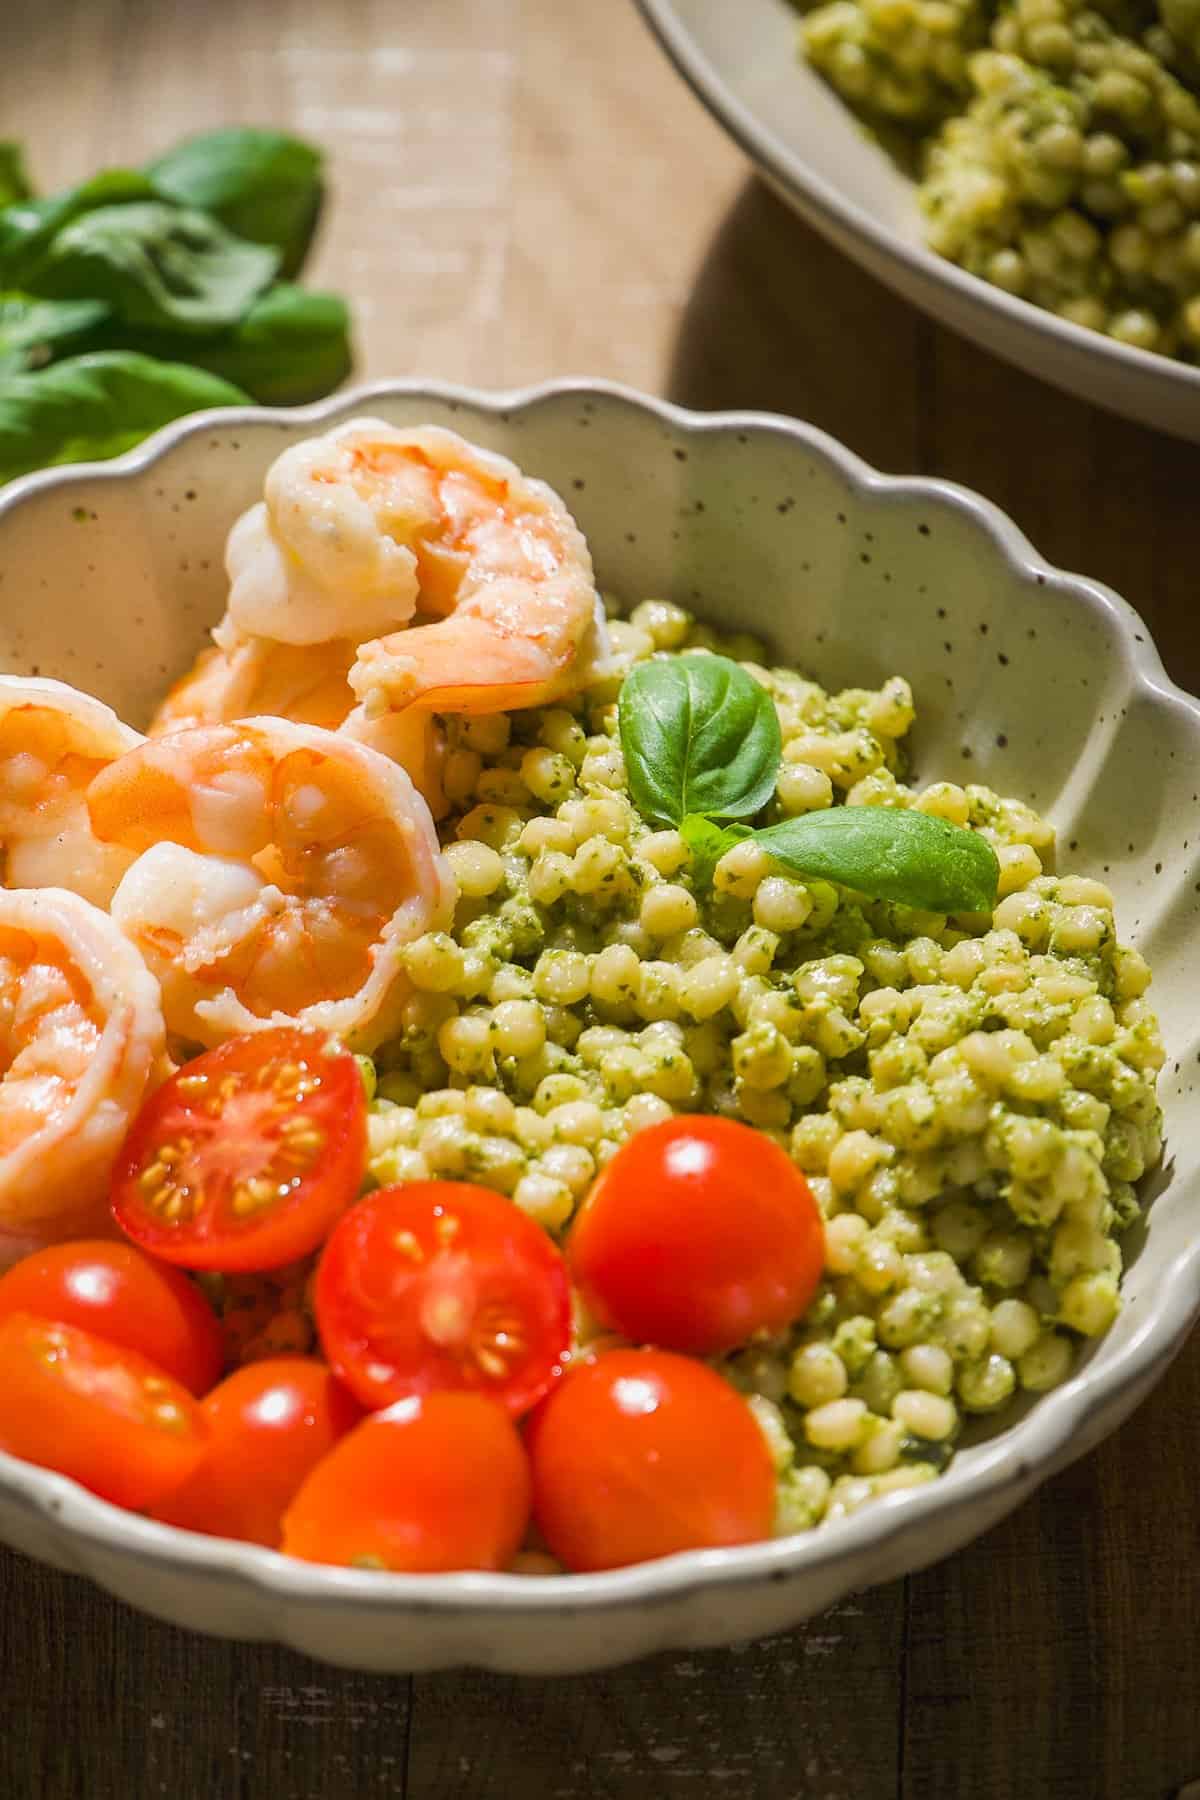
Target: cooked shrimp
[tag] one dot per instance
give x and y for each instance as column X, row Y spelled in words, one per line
column 307, row 684
column 81, row 1040
column 53, row 740
column 280, row 871
column 368, row 526
column 257, row 678
column 331, row 549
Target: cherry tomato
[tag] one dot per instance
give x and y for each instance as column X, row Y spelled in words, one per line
column 244, row 1159
column 269, row 1426
column 437, row 1284
column 101, row 1414
column 699, row 1233
column 125, row 1297
column 640, row 1453
column 436, row 1482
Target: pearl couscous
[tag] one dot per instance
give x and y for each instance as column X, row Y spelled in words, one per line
column 972, row 1099
column 1059, row 145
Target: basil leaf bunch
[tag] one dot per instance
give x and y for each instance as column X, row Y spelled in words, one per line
column 261, row 185
column 702, row 744
column 35, row 332
column 14, row 182
column 187, row 262
column 92, row 407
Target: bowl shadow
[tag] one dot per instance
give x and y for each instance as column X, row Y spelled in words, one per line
column 778, row 320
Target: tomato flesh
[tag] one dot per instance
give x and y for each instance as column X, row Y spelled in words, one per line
column 269, row 1425
column 128, row 1298
column 244, row 1159
column 638, row 1454
column 698, row 1233
column 434, row 1483
column 92, row 1410
column 441, row 1285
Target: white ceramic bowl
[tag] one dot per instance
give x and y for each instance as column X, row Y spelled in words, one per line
column 742, row 62
column 1041, row 683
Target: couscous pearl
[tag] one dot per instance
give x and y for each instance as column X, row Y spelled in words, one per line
column 838, row 1425
column 1046, row 1362
column 1015, row 1328
column 478, row 869
column 668, row 909
column 926, row 1415
column 816, row 1375
column 929, row 1367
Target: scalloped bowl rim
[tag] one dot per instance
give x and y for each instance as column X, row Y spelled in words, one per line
column 790, row 171
column 1056, row 1420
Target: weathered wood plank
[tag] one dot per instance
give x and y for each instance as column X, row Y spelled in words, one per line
column 813, row 1715
column 1058, row 1656
column 104, row 1704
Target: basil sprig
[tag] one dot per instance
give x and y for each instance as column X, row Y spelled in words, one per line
column 702, row 743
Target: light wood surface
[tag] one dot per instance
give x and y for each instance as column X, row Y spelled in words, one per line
column 522, row 188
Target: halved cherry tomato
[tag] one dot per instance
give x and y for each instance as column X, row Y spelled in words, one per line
column 436, row 1482
column 103, row 1415
column 639, row 1453
column 699, row 1233
column 244, row 1159
column 125, row 1297
column 438, row 1284
column 269, row 1426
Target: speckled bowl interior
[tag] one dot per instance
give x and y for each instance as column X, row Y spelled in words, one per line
column 1039, row 683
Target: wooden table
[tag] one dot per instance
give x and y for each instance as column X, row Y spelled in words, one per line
column 524, row 189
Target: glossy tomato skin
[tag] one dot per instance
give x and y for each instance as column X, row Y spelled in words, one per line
column 269, row 1426
column 436, row 1482
column 126, row 1297
column 441, row 1285
column 246, row 1157
column 638, row 1454
column 101, row 1414
column 698, row 1233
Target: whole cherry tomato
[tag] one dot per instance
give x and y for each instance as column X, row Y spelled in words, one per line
column 89, row 1409
column 639, row 1453
column 120, row 1294
column 699, row 1233
column 244, row 1159
column 436, row 1482
column 269, row 1425
column 438, row 1284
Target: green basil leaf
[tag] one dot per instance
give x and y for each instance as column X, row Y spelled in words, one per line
column 28, row 229
column 262, row 185
column 889, row 853
column 34, row 332
column 14, row 180
column 156, row 265
column 699, row 736
column 292, row 346
column 708, row 843
column 92, row 407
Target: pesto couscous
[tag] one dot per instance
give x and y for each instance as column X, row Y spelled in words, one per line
column 972, row 1099
column 1058, row 143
